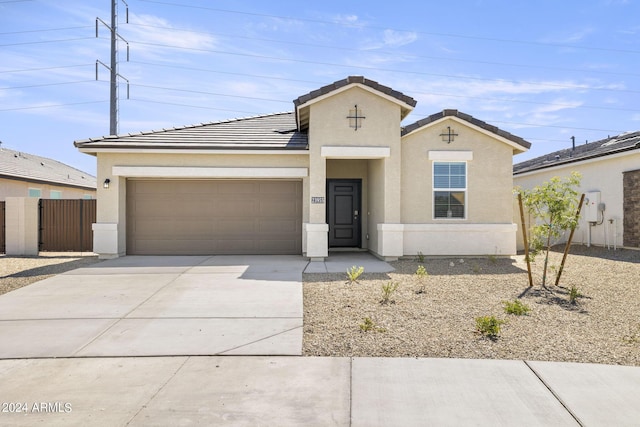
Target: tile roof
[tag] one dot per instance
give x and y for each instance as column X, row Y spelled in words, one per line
column 24, row 166
column 351, row 80
column 604, row 147
column 273, row 131
column 466, row 117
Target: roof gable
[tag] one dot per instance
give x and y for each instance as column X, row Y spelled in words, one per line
column 302, row 102
column 29, row 167
column 267, row 132
column 604, row 147
column 519, row 145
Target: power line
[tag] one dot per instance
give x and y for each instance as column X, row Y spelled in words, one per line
column 46, row 84
column 45, row 41
column 320, row 21
column 53, row 105
column 386, row 52
column 24, row 70
column 45, row 30
column 422, row 73
column 414, row 92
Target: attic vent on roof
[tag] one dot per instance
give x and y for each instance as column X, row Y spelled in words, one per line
column 41, row 163
column 283, row 131
column 557, row 156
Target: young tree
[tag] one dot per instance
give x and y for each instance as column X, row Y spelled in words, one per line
column 553, row 205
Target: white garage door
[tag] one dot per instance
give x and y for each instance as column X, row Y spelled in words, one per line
column 184, row 217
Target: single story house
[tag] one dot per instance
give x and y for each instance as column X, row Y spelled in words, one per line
column 338, row 172
column 610, row 170
column 28, row 175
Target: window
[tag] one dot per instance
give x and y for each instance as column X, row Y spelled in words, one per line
column 35, row 192
column 54, row 194
column 87, row 197
column 449, row 189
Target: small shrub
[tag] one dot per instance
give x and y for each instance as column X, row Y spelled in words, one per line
column 516, row 307
column 420, row 257
column 421, row 273
column 387, row 292
column 489, row 326
column 476, row 268
column 574, row 294
column 354, row 273
column 493, row 259
column 368, row 325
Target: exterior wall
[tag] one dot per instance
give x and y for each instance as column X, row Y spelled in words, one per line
column 488, row 227
column 18, row 188
column 110, row 229
column 21, row 216
column 329, row 126
column 604, row 174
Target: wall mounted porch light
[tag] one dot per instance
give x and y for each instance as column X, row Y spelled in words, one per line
column 106, row 183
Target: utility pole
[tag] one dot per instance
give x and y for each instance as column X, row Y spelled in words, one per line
column 113, row 69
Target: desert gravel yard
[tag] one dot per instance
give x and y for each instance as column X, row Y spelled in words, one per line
column 603, row 326
column 16, row 272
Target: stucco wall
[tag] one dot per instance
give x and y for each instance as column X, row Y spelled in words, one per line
column 603, row 174
column 489, row 175
column 16, row 188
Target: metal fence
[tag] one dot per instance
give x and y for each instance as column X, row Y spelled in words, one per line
column 65, row 225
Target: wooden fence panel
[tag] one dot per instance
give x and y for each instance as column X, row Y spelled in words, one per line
column 2, row 228
column 65, row 225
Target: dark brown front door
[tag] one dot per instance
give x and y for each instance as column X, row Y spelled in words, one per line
column 343, row 212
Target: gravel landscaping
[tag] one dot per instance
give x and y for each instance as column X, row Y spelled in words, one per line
column 16, row 272
column 602, row 326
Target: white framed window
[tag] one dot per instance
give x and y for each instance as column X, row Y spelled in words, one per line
column 35, row 192
column 449, row 190
column 55, row 194
column 87, row 197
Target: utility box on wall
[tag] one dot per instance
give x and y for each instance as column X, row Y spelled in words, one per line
column 591, row 206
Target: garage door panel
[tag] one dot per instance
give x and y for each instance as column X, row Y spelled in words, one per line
column 214, row 217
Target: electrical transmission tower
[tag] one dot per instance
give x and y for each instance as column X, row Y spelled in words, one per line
column 113, row 98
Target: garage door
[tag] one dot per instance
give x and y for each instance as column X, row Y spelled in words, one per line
column 183, row 217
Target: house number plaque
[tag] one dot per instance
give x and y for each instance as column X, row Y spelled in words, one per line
column 317, row 200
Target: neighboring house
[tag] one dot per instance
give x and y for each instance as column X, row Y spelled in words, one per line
column 27, row 175
column 338, row 172
column 610, row 171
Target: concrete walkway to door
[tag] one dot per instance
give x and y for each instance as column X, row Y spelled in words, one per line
column 159, row 306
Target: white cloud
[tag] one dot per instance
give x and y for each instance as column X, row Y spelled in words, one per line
column 394, row 38
column 158, row 31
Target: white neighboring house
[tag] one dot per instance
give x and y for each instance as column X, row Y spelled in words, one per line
column 610, row 171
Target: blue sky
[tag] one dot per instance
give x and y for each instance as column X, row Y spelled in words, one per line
column 544, row 70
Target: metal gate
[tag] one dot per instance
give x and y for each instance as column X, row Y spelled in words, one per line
column 65, row 225
column 2, row 228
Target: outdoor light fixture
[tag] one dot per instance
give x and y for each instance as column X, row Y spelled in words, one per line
column 106, row 183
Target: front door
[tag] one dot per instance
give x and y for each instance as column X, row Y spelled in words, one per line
column 343, row 212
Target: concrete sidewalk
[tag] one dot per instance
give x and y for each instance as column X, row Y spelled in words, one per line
column 299, row 391
column 159, row 306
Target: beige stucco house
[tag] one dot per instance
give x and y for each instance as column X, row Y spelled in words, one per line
column 338, row 172
column 610, row 170
column 27, row 175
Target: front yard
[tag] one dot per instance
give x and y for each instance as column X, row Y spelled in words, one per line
column 603, row 326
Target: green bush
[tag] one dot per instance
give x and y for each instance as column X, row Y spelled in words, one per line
column 354, row 273
column 422, row 274
column 516, row 307
column 368, row 325
column 574, row 294
column 387, row 292
column 489, row 326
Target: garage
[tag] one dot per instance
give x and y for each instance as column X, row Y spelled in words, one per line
column 212, row 217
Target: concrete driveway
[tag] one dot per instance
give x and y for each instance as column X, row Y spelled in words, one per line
column 159, row 306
